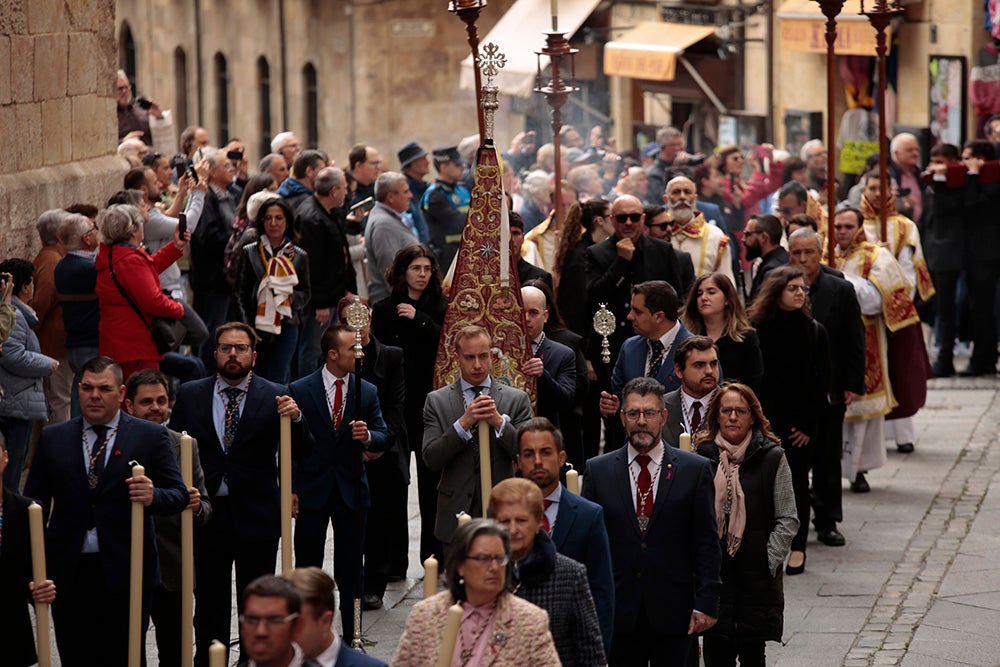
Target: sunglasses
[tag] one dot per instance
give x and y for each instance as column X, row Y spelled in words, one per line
column 662, row 226
column 623, row 217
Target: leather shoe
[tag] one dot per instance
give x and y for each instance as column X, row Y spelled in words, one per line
column 371, row 602
column 831, row 537
column 791, row 570
column 904, row 447
column 860, row 484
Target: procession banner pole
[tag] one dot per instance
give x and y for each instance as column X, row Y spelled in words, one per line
column 358, row 317
column 286, row 493
column 37, row 530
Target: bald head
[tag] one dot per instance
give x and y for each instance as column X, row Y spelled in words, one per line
column 633, row 226
column 536, row 311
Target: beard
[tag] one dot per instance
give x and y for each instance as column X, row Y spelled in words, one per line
column 642, row 438
column 681, row 212
column 233, row 370
column 753, row 251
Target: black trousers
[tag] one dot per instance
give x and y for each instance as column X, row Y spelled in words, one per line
column 387, row 547
column 643, row 646
column 982, row 278
column 427, row 483
column 800, row 461
column 91, row 617
column 827, row 487
column 217, row 548
column 166, row 616
column 722, row 652
column 946, row 284
column 310, row 547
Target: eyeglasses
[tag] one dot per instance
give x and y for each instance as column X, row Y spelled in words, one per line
column 623, row 217
column 796, row 288
column 633, row 415
column 268, row 621
column 742, row 412
column 485, row 559
column 751, row 232
column 241, row 348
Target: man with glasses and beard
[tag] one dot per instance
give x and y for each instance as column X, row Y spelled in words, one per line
column 235, row 416
column 762, row 238
column 707, row 245
column 664, row 542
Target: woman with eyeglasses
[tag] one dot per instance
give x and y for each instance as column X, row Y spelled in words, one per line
column 741, row 194
column 713, row 309
column 756, row 515
column 496, row 625
column 545, row 578
column 796, row 381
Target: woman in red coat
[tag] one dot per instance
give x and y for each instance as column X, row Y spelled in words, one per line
column 124, row 335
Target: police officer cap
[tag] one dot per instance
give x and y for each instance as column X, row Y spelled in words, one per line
column 447, row 154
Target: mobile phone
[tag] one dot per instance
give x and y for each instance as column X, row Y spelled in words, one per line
column 234, row 155
column 365, row 205
column 144, row 102
column 182, row 223
column 189, row 168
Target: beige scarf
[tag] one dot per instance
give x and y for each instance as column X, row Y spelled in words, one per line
column 729, row 492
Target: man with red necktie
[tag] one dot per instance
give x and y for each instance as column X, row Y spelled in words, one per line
column 659, row 513
column 325, row 481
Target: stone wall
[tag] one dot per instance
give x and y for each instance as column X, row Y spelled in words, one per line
column 58, row 129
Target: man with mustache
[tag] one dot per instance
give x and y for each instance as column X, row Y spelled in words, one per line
column 707, row 245
column 235, row 415
column 664, row 546
column 762, row 238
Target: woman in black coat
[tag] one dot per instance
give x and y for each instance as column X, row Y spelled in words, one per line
column 411, row 318
column 756, row 515
column 796, row 381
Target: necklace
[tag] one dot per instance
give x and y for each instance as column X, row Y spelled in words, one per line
column 467, row 652
column 686, row 413
column 640, row 511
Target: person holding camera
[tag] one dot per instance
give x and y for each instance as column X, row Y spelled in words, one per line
column 133, row 115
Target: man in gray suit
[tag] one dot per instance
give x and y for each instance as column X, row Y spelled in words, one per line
column 146, row 397
column 386, row 232
column 451, row 443
column 696, row 364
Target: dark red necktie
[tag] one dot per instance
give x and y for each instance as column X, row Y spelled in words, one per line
column 695, row 417
column 545, row 519
column 338, row 404
column 643, row 492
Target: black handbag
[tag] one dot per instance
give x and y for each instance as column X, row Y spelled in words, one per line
column 167, row 334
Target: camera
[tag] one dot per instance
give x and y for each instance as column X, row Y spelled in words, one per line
column 144, row 102
column 234, row 155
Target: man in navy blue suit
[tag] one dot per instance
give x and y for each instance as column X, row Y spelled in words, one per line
column 325, row 482
column 315, row 636
column 659, row 510
column 553, row 363
column 650, row 353
column 83, row 467
column 575, row 524
column 235, row 416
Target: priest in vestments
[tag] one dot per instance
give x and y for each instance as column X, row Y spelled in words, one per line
column 906, row 348
column 886, row 306
column 708, row 246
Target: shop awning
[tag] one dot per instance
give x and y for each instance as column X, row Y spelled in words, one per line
column 650, row 50
column 803, row 28
column 518, row 33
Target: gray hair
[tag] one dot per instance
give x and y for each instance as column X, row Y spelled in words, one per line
column 326, row 179
column 213, row 156
column 808, row 146
column 806, row 233
column 900, row 138
column 279, row 140
column 387, row 183
column 49, row 223
column 460, row 546
column 536, row 186
column 664, row 134
column 117, row 223
column 265, row 162
column 73, row 229
column 130, row 147
column 644, row 386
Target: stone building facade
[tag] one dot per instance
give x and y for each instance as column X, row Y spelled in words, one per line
column 58, row 130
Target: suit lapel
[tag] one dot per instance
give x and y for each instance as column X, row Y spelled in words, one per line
column 76, row 458
column 116, row 467
column 666, row 481
column 457, row 400
column 565, row 516
column 316, row 395
column 252, row 404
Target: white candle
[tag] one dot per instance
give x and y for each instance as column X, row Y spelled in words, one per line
column 430, row 577
column 573, row 481
column 37, row 532
column 485, row 465
column 217, row 654
column 450, row 636
column 286, row 493
column 135, row 644
column 685, row 442
column 463, row 518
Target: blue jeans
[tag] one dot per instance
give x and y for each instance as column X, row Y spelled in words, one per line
column 275, row 353
column 17, row 433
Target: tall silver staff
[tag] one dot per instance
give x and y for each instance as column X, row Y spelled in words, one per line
column 358, row 318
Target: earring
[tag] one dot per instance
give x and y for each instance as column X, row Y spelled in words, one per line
column 461, row 581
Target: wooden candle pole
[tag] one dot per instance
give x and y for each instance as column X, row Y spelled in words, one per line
column 286, row 493
column 38, row 573
column 485, row 465
column 135, row 642
column 187, row 558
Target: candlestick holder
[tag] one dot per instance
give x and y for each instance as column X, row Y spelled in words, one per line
column 556, row 92
column 468, row 11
